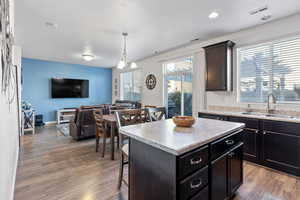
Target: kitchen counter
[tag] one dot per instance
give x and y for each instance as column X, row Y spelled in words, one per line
column 175, row 163
column 254, row 115
column 179, row 140
column 262, row 134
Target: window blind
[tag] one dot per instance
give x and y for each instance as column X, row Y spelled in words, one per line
column 272, row 67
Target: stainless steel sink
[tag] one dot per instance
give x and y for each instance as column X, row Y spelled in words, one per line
column 253, row 113
column 269, row 115
column 280, row 116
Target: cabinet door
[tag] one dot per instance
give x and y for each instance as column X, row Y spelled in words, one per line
column 216, row 62
column 203, row 195
column 219, row 178
column 251, row 137
column 235, row 169
column 251, row 144
column 281, row 151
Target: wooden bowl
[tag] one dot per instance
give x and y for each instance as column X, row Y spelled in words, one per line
column 184, row 121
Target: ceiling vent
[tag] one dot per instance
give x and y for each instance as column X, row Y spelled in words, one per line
column 51, row 25
column 195, row 40
column 258, row 10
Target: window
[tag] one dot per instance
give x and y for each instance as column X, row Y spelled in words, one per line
column 272, row 67
column 131, row 86
column 178, row 76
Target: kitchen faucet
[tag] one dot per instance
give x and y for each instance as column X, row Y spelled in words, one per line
column 268, row 102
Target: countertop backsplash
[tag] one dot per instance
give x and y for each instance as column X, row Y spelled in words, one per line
column 294, row 113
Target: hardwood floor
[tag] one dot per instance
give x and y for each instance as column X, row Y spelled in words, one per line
column 54, row 167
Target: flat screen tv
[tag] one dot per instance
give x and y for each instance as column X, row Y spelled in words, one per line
column 69, row 88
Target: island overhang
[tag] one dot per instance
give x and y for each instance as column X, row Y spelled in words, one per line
column 179, row 140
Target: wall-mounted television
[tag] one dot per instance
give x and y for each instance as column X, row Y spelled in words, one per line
column 69, row 88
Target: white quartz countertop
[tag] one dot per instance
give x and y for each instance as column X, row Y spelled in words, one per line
column 178, row 140
column 254, row 115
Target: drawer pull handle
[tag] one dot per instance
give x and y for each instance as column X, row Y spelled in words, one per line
column 195, row 161
column 196, row 183
column 231, row 154
column 229, row 142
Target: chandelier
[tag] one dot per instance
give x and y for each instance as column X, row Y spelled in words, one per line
column 123, row 62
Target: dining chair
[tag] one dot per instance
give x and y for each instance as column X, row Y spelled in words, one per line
column 125, row 118
column 150, row 106
column 157, row 114
column 100, row 130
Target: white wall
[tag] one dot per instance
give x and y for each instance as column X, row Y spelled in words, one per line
column 269, row 31
column 9, row 139
column 9, row 143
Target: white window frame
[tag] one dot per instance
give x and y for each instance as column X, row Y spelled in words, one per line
column 238, row 59
column 165, row 81
column 121, row 81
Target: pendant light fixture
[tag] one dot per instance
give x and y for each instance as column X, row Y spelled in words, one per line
column 123, row 61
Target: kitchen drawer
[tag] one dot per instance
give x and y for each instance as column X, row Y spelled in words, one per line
column 202, row 195
column 192, row 161
column 212, row 116
column 282, row 127
column 193, row 184
column 249, row 123
column 221, row 146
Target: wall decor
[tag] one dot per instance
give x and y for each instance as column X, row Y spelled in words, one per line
column 116, row 87
column 6, row 44
column 151, row 81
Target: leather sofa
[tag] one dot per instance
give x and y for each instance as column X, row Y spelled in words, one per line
column 83, row 125
column 105, row 108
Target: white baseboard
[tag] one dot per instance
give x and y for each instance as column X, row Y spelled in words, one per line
column 50, row 123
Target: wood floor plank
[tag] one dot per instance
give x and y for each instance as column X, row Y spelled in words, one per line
column 55, row 167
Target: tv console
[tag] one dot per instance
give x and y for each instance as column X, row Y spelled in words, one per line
column 65, row 115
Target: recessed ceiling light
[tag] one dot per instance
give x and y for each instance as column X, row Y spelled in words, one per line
column 88, row 57
column 266, row 17
column 213, row 15
column 51, row 25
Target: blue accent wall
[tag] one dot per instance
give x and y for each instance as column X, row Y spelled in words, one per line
column 37, row 76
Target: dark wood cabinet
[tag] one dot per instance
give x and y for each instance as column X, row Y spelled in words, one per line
column 203, row 195
column 212, row 116
column 219, row 178
column 251, row 137
column 275, row 144
column 227, row 173
column 220, row 147
column 194, row 175
column 219, row 66
column 235, row 169
column 159, row 181
column 192, row 161
column 281, row 151
column 251, row 151
column 193, row 184
column 280, row 146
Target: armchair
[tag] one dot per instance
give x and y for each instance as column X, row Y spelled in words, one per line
column 83, row 125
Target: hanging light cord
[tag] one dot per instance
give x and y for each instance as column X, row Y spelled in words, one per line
column 124, row 50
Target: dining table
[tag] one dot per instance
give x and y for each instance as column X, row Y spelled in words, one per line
column 110, row 120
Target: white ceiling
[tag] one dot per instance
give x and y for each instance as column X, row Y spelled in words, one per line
column 153, row 25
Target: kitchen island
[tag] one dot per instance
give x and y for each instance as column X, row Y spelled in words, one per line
column 174, row 163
